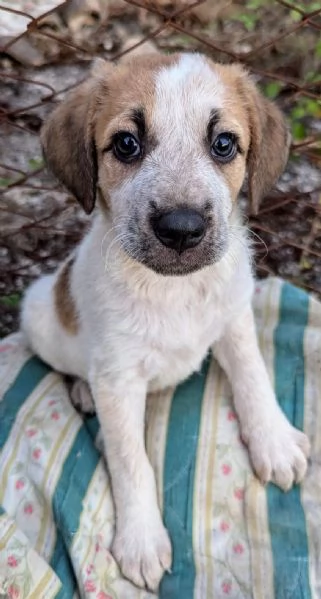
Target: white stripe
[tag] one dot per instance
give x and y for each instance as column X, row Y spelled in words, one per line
column 310, row 488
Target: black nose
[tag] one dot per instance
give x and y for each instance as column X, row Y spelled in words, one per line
column 180, row 229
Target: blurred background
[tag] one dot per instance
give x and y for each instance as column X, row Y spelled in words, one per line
column 46, row 48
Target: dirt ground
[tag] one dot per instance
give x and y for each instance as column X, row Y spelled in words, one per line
column 40, row 222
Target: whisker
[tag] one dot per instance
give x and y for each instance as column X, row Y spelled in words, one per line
column 118, row 225
column 115, row 241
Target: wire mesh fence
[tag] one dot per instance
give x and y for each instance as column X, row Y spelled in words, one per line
column 278, row 41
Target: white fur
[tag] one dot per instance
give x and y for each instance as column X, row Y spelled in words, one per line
column 139, row 332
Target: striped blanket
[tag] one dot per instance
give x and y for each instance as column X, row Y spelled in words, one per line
column 231, row 536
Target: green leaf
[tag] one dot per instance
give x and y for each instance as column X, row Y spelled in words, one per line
column 35, row 163
column 312, row 76
column 313, row 107
column 318, row 49
column 255, row 4
column 298, row 112
column 4, row 182
column 295, row 15
column 46, row 442
column 18, row 467
column 298, row 130
column 305, row 264
column 272, row 89
column 248, row 20
column 27, row 586
column 10, row 301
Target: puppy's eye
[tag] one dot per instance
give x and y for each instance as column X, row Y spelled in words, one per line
column 224, row 147
column 126, row 147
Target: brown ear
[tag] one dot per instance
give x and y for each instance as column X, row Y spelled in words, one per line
column 269, row 146
column 68, row 138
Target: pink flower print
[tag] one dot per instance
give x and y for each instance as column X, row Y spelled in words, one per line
column 12, row 562
column 31, row 432
column 28, row 509
column 97, row 547
column 89, row 569
column 238, row 548
column 36, row 453
column 102, row 595
column 231, row 415
column 90, row 586
column 55, row 415
column 5, row 347
column 224, row 526
column 226, row 469
column 52, row 402
column 226, row 587
column 257, row 290
column 13, row 591
column 239, row 494
column 20, row 483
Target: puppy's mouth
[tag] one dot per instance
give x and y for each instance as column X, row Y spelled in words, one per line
column 178, row 265
column 176, row 243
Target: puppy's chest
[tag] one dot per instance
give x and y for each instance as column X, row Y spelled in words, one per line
column 177, row 340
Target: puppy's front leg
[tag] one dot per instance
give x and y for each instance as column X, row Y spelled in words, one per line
column 141, row 544
column 277, row 450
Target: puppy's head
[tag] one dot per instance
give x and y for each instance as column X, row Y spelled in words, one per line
column 168, row 141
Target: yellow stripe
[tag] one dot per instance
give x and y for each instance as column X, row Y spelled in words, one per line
column 258, row 536
column 203, row 501
column 41, row 587
column 6, row 470
column 253, row 535
column 6, row 537
column 256, row 506
column 93, row 517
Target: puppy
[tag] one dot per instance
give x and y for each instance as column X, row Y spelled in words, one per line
column 163, row 143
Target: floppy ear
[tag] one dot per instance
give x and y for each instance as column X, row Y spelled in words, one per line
column 67, row 139
column 269, row 146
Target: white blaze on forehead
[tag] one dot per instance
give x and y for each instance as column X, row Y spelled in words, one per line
column 186, row 93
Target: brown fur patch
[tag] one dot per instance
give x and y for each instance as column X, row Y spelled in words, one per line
column 78, row 127
column 64, row 303
column 68, row 144
column 262, row 129
column 130, row 85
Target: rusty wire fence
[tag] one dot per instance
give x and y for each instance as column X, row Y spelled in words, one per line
column 278, row 41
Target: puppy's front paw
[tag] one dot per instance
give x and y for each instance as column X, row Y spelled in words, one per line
column 143, row 551
column 278, row 452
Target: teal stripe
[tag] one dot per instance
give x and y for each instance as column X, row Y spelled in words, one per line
column 92, row 425
column 27, row 379
column 67, row 502
column 61, row 564
column 286, row 515
column 179, row 470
